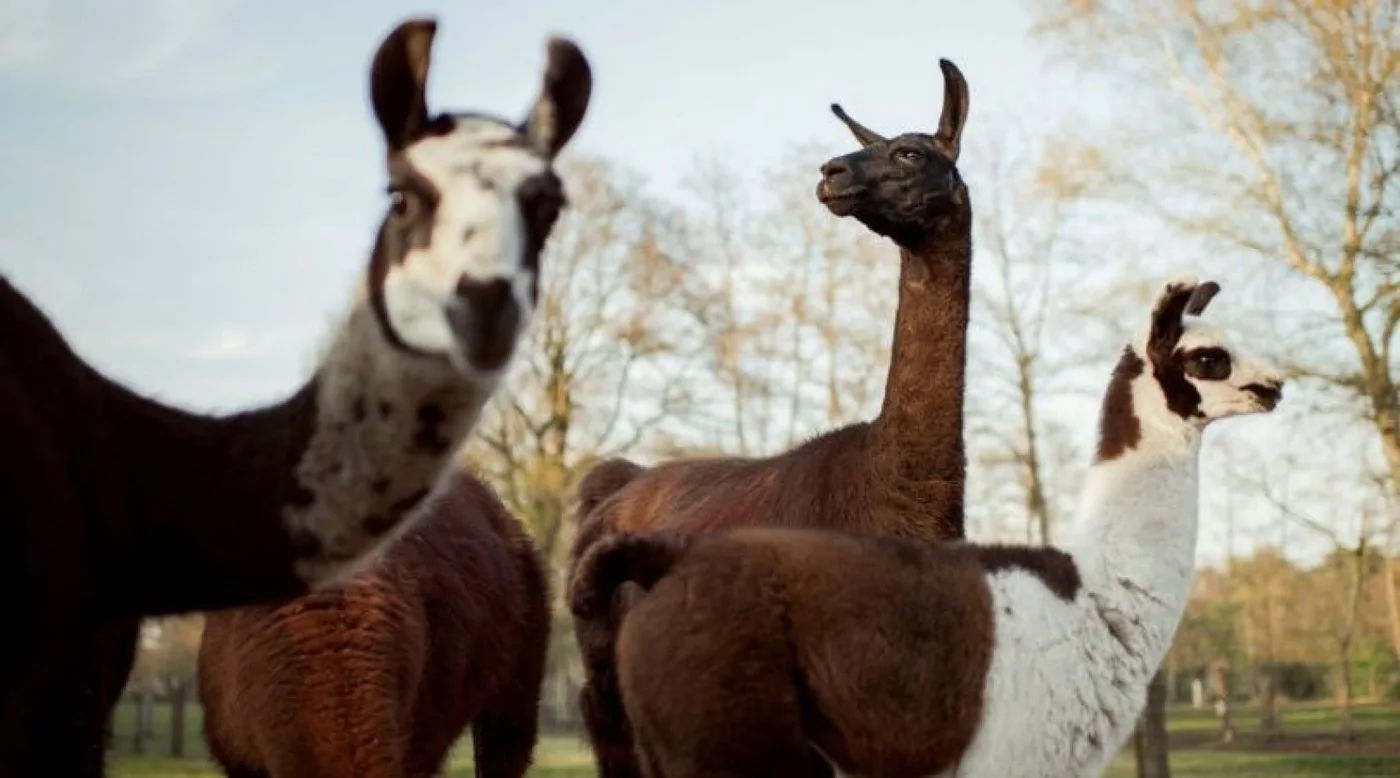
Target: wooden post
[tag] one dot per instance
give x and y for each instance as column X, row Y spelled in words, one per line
column 177, row 720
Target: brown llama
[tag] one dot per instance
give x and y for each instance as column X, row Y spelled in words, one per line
column 378, row 678
column 117, row 507
column 887, row 656
column 902, row 473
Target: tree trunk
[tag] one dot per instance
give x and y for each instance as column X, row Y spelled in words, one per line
column 1392, row 598
column 1268, row 705
column 1150, row 744
column 1220, row 690
column 145, row 712
column 1344, row 692
column 177, row 720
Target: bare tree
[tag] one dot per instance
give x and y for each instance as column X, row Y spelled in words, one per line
column 601, row 370
column 1353, row 521
column 1024, row 289
column 1274, row 133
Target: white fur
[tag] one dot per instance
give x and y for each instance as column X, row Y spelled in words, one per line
column 479, row 232
column 347, row 455
column 1068, row 679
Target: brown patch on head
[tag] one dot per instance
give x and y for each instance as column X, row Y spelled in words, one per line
column 1119, row 428
column 385, row 409
column 1053, row 567
column 379, row 485
column 1181, row 396
column 428, row 436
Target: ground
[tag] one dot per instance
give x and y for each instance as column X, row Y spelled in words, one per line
column 1311, row 749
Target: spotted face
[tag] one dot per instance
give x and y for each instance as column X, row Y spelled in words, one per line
column 471, row 202
column 907, row 187
column 1202, row 376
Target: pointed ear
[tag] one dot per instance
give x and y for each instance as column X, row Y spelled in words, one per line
column 1166, row 316
column 563, row 100
column 398, row 81
column 1202, row 297
column 950, row 125
column 864, row 135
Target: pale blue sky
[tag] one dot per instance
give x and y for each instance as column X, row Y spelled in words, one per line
column 190, row 186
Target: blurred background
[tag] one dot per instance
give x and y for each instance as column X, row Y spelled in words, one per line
column 190, row 188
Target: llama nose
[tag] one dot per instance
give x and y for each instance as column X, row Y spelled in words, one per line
column 836, row 169
column 485, row 319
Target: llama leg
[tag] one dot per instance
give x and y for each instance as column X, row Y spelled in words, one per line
column 605, row 722
column 505, row 733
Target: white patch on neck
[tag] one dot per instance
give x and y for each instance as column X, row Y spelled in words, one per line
column 365, row 458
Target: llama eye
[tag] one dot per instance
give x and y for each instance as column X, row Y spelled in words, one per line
column 398, row 201
column 1209, row 367
column 910, row 155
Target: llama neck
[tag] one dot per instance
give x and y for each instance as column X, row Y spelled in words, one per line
column 917, row 439
column 1135, row 538
column 258, row 505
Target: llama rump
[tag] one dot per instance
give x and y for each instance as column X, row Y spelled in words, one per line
column 378, row 677
column 740, row 654
column 117, row 507
column 902, row 473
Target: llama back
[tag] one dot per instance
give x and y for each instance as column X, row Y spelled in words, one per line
column 407, row 652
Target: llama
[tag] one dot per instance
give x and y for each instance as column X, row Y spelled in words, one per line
column 119, row 507
column 892, row 657
column 901, row 473
column 377, row 679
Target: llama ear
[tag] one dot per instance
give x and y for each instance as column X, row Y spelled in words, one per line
column 1201, row 297
column 950, row 125
column 864, row 135
column 398, row 81
column 1166, row 316
column 563, row 100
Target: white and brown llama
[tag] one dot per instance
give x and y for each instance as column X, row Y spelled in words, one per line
column 738, row 653
column 117, row 507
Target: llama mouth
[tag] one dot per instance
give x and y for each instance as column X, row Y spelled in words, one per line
column 841, row 203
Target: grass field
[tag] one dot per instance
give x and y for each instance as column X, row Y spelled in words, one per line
column 1309, row 750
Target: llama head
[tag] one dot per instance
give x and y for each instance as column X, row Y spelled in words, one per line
column 1181, row 375
column 1200, row 375
column 472, row 199
column 906, row 187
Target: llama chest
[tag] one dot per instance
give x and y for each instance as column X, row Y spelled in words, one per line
column 1063, row 690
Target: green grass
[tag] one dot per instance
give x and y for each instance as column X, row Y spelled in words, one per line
column 1212, row 764
column 1311, row 717
column 564, row 756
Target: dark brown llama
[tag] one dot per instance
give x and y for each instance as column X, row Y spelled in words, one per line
column 743, row 654
column 116, row 507
column 901, row 474
column 377, row 679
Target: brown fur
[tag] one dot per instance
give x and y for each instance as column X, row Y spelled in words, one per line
column 379, row 678
column 900, row 474
column 754, row 644
column 99, row 489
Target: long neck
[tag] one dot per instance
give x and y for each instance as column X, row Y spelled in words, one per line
column 255, row 506
column 917, row 440
column 1135, row 537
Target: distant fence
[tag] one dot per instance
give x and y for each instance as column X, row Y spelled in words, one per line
column 1377, row 680
column 172, row 725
